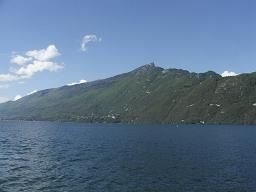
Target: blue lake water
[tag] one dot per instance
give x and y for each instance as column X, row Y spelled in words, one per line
column 63, row 157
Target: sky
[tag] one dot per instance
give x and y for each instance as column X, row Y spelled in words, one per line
column 51, row 43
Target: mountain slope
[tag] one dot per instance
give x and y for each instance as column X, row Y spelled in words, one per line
column 148, row 94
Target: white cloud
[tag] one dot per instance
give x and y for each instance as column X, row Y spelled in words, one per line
column 33, row 62
column 87, row 39
column 37, row 66
column 17, row 97
column 8, row 77
column 4, row 99
column 44, row 54
column 76, row 83
column 20, row 60
column 32, row 92
column 229, row 74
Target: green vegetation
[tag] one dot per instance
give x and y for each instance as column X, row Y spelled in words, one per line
column 148, row 94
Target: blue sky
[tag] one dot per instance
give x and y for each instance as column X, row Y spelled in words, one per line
column 121, row 35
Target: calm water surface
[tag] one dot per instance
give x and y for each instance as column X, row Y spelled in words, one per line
column 59, row 157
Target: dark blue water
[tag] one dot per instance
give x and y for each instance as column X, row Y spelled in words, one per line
column 41, row 156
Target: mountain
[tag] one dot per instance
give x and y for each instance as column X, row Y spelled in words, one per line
column 148, row 94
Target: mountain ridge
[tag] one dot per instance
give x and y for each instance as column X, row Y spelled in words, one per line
column 148, row 94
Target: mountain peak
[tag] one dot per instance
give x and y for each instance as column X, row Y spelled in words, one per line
column 147, row 67
column 210, row 74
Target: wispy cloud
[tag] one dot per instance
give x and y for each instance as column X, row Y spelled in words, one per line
column 32, row 62
column 88, row 39
column 76, row 83
column 44, row 54
column 4, row 99
column 20, row 60
column 32, row 92
column 37, row 66
column 229, row 74
column 8, row 77
column 17, row 97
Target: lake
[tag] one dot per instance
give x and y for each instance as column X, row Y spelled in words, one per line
column 63, row 157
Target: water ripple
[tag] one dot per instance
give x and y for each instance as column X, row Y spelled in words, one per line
column 42, row 156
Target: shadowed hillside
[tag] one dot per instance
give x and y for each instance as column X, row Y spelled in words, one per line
column 148, row 94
